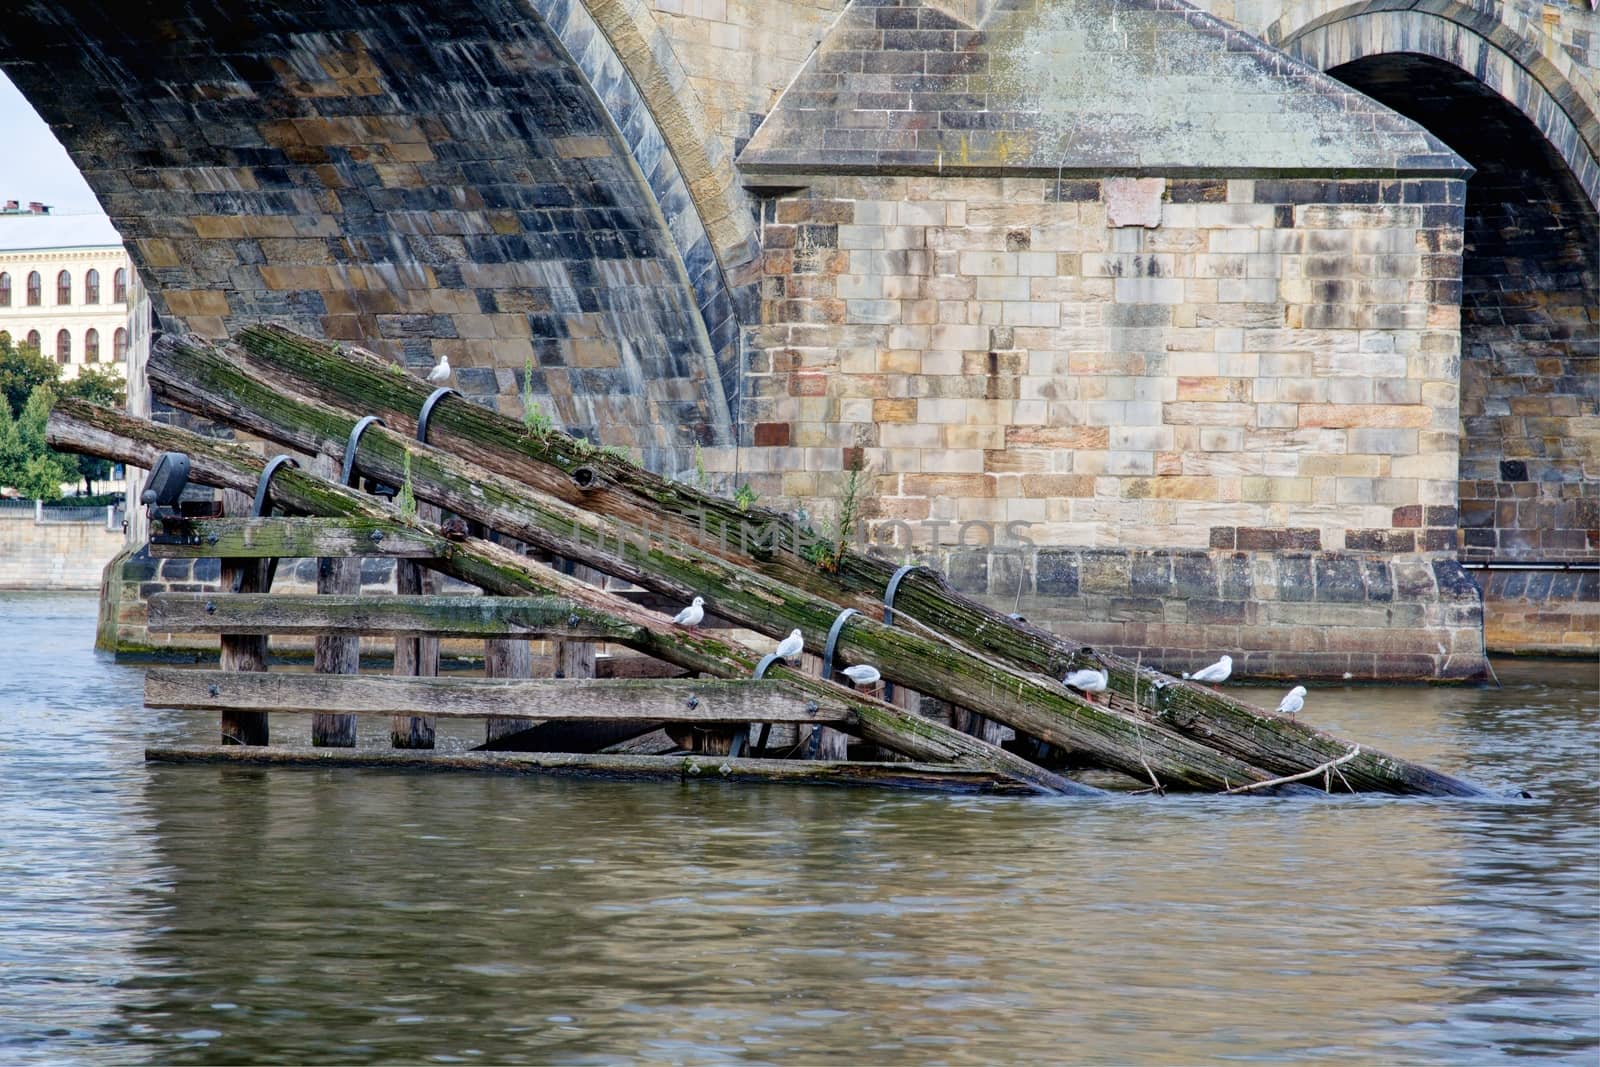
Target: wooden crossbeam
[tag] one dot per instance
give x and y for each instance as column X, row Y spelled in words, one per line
column 440, row 616
column 697, row 700
column 301, row 537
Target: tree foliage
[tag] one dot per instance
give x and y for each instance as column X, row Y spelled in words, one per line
column 31, row 384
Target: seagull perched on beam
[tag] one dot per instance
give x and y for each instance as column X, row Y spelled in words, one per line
column 862, row 674
column 440, row 371
column 1088, row 682
column 691, row 615
column 790, row 646
column 1294, row 701
column 1215, row 674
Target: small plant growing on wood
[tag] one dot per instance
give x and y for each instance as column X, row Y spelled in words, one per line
column 616, row 452
column 699, row 468
column 745, row 497
column 406, row 499
column 534, row 418
column 826, row 553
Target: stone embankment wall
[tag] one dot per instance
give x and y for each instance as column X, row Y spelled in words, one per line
column 54, row 555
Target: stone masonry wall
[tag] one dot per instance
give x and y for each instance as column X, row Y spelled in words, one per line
column 67, row 555
column 1198, row 373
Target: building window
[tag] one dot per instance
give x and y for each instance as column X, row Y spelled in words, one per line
column 119, row 286
column 5, row 289
column 33, row 340
column 119, row 345
column 64, row 287
column 91, row 287
column 91, row 346
column 35, row 289
column 63, row 347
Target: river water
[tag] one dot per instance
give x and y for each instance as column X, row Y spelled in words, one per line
column 170, row 914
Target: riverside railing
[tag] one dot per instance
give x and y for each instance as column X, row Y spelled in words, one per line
column 43, row 514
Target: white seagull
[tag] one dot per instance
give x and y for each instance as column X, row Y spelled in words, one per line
column 790, row 646
column 1294, row 701
column 1215, row 674
column 862, row 674
column 440, row 371
column 691, row 615
column 1087, row 681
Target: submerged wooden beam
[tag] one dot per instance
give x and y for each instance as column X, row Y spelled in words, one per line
column 381, row 616
column 697, row 700
column 919, row 777
column 354, row 379
column 301, row 537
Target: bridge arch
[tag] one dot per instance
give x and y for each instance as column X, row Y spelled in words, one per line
column 1545, row 84
column 486, row 180
column 1529, row 264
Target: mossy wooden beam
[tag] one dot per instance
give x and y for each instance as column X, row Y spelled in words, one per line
column 203, row 378
column 294, row 538
column 688, row 700
column 79, row 427
column 359, row 381
column 483, row 617
column 916, row 777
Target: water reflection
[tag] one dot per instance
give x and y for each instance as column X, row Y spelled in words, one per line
column 208, row 915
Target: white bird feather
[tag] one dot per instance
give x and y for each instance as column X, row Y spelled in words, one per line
column 1217, row 672
column 863, row 674
column 1294, row 701
column 691, row 615
column 440, row 371
column 791, row 646
column 1087, row 681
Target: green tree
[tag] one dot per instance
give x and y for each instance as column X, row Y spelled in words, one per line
column 97, row 386
column 25, row 463
column 22, row 370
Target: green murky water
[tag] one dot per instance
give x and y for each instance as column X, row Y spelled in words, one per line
column 160, row 914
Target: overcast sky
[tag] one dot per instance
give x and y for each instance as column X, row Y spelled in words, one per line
column 33, row 165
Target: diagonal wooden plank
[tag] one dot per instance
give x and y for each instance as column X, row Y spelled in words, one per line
column 676, row 699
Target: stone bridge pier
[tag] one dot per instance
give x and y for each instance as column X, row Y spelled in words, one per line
column 1183, row 330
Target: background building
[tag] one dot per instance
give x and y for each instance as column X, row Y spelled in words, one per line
column 64, row 286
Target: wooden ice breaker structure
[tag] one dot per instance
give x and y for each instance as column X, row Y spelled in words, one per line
column 351, row 417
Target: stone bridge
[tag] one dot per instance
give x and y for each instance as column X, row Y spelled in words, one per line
column 1252, row 357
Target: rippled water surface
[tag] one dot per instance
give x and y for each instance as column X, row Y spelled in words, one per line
column 166, row 914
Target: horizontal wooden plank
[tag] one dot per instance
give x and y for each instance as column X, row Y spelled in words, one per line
column 330, row 615
column 921, row 777
column 663, row 699
column 301, row 537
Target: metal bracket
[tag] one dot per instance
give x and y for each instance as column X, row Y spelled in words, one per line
column 258, row 508
column 888, row 611
column 427, row 410
column 833, row 641
column 347, row 471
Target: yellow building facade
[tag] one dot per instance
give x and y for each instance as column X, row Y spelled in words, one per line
column 65, row 284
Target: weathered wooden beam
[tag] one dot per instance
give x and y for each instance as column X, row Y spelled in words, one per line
column 698, row 700
column 354, row 379
column 921, row 777
column 416, row 656
column 380, row 616
column 80, row 427
column 198, row 376
column 239, row 651
column 301, row 537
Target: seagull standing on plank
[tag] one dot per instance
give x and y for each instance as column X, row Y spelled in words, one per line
column 691, row 615
column 790, row 646
column 1215, row 674
column 1295, row 700
column 862, row 674
column 1088, row 682
column 440, row 371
